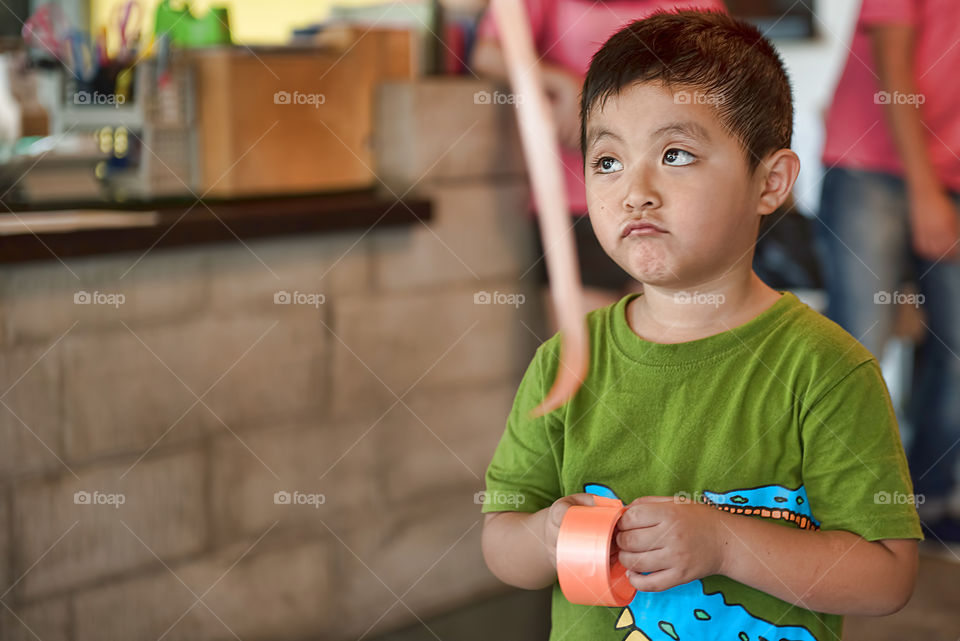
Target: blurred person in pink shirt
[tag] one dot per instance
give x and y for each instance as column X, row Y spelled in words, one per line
column 566, row 34
column 889, row 213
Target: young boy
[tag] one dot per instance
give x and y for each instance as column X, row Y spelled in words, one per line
column 709, row 384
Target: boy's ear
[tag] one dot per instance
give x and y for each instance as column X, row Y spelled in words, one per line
column 779, row 172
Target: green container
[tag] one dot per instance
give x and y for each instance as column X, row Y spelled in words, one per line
column 168, row 20
column 186, row 30
column 213, row 28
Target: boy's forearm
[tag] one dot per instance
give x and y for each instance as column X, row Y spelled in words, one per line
column 515, row 551
column 835, row 572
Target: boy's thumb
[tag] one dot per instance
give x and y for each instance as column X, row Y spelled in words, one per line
column 581, row 498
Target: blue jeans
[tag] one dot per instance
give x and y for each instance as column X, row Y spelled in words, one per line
column 864, row 239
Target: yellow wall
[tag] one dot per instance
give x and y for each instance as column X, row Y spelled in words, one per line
column 252, row 21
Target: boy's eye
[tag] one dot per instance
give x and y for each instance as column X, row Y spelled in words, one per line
column 608, row 165
column 678, row 157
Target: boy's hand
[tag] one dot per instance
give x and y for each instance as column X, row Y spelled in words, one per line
column 675, row 540
column 555, row 514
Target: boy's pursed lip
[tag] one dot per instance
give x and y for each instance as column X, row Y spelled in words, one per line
column 641, row 228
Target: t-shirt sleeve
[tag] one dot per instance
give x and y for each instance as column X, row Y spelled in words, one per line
column 874, row 12
column 536, row 14
column 524, row 474
column 854, row 468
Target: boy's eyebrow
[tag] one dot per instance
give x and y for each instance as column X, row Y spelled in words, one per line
column 603, row 132
column 687, row 128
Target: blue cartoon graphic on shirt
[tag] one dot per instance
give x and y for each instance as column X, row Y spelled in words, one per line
column 686, row 611
column 769, row 501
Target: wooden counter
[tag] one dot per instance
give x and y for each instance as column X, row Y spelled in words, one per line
column 191, row 222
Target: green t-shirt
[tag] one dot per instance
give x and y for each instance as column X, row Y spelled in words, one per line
column 784, row 418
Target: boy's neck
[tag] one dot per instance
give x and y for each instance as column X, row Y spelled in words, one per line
column 667, row 315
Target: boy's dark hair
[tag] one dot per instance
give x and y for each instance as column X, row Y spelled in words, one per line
column 708, row 51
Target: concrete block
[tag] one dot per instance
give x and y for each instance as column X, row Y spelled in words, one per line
column 255, row 367
column 48, row 620
column 30, row 413
column 324, row 471
column 243, row 277
column 394, row 342
column 429, row 556
column 247, row 593
column 77, row 538
column 135, row 288
column 479, row 232
column 444, row 440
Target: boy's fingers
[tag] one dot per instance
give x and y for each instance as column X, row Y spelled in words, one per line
column 646, row 561
column 639, row 516
column 642, row 540
column 657, row 581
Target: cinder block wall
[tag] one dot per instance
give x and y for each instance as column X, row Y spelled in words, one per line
column 198, row 399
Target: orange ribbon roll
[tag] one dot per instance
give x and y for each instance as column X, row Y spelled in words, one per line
column 587, row 573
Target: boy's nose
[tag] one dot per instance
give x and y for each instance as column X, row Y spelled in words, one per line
column 641, row 193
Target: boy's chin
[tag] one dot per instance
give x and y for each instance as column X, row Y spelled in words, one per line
column 653, row 274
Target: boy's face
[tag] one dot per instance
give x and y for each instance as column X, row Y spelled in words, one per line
column 673, row 165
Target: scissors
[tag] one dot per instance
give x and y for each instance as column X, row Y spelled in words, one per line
column 47, row 30
column 127, row 17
